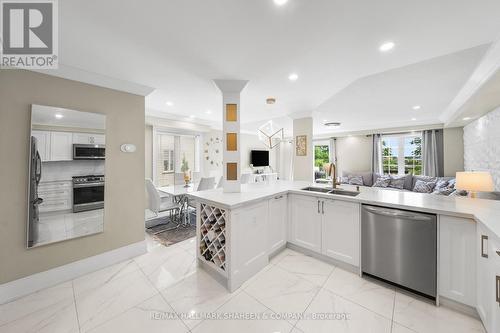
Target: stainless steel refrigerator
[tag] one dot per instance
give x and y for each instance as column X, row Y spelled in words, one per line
column 34, row 201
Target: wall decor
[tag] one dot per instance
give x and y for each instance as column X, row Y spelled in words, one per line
column 269, row 135
column 212, row 151
column 301, row 145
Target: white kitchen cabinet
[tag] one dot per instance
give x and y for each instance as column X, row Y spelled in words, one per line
column 88, row 138
column 43, row 144
column 248, row 235
column 305, row 222
column 495, row 280
column 340, row 222
column 61, row 146
column 278, row 218
column 56, row 195
column 457, row 259
column 485, row 284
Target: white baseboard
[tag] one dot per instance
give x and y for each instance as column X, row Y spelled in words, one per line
column 29, row 284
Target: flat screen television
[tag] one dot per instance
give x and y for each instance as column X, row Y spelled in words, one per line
column 260, row 158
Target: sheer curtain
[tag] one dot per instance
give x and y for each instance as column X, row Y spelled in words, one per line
column 432, row 153
column 377, row 154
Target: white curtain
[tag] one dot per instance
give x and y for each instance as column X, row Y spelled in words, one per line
column 377, row 153
column 432, row 153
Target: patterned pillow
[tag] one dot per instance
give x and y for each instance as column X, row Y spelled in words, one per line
column 344, row 180
column 443, row 191
column 451, row 183
column 397, row 182
column 441, row 183
column 423, row 186
column 356, row 180
column 382, row 181
column 458, row 193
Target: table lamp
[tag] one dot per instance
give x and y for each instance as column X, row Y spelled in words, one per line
column 474, row 181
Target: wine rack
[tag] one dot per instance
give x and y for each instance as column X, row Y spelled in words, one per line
column 213, row 236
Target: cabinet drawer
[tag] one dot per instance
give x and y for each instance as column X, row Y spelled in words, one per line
column 50, row 205
column 57, row 193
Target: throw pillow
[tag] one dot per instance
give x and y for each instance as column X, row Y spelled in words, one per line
column 458, row 193
column 344, row 180
column 423, row 186
column 356, row 180
column 441, row 183
column 443, row 191
column 382, row 181
column 397, row 182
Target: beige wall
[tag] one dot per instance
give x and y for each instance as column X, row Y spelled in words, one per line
column 148, row 151
column 354, row 153
column 453, row 141
column 303, row 165
column 124, row 194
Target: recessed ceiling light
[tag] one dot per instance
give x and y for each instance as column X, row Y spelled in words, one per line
column 58, row 115
column 169, row 103
column 208, row 112
column 332, row 123
column 466, row 118
column 413, row 119
column 280, row 2
column 416, row 107
column 387, row 46
column 293, row 77
column 270, row 100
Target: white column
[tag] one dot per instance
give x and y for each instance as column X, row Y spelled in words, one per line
column 231, row 110
column 303, row 164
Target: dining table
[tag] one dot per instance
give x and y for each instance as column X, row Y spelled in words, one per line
column 179, row 194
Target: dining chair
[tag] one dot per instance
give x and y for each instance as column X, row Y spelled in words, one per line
column 206, row 183
column 158, row 204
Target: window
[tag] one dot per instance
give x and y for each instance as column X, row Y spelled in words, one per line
column 402, row 154
column 321, row 157
column 173, row 154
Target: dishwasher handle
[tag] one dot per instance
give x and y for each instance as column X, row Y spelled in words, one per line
column 398, row 213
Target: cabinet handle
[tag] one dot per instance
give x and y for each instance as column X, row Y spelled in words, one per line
column 483, row 239
column 322, row 207
column 497, row 290
column 318, row 207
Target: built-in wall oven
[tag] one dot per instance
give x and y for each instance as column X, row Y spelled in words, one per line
column 89, row 152
column 88, row 193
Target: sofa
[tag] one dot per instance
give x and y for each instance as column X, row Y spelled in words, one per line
column 421, row 184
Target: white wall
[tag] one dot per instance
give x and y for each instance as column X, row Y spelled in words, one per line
column 354, row 153
column 482, row 145
column 247, row 143
column 303, row 165
column 453, row 141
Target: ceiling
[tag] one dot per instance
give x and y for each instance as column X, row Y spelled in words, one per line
column 179, row 46
column 54, row 116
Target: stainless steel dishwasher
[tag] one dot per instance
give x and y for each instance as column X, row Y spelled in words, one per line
column 401, row 247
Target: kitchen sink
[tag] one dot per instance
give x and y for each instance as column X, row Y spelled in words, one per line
column 343, row 192
column 317, row 189
column 331, row 191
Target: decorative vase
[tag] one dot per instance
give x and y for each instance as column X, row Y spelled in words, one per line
column 187, row 178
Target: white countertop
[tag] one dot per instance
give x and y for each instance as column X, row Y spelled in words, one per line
column 484, row 211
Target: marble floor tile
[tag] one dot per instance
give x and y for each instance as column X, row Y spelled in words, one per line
column 282, row 291
column 234, row 310
column 34, row 302
column 57, row 318
column 367, row 292
column 286, row 252
column 153, row 316
column 397, row 328
column 421, row 316
column 197, row 294
column 307, row 267
column 343, row 316
column 104, row 276
column 110, row 298
column 170, row 269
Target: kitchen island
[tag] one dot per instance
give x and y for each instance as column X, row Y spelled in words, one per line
column 237, row 233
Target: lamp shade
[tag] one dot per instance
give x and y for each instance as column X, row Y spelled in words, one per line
column 476, row 181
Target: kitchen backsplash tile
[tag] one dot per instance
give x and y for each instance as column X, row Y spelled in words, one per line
column 64, row 170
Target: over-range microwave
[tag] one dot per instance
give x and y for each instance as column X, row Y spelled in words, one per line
column 89, row 152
